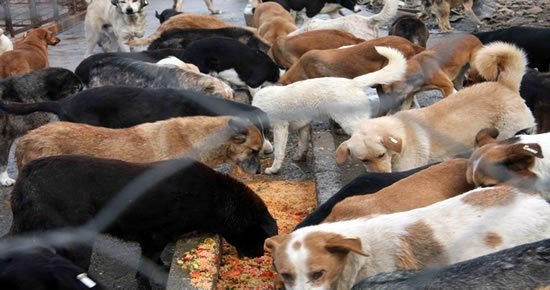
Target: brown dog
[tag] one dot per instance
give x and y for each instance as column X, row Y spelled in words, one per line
column 211, row 140
column 442, row 11
column 287, row 50
column 29, row 55
column 272, row 21
column 347, row 62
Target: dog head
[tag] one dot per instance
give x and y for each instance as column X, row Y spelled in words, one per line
column 42, row 34
column 351, row 5
column 246, row 144
column 266, row 71
column 494, row 162
column 309, row 259
column 129, row 7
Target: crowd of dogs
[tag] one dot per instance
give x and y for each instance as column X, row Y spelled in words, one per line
column 456, row 193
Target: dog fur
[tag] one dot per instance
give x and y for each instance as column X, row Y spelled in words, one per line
column 166, row 14
column 29, row 55
column 48, row 84
column 5, row 42
column 447, row 128
column 442, row 11
column 411, row 28
column 113, row 22
column 347, row 101
column 273, row 21
column 119, row 71
column 287, row 50
column 178, row 4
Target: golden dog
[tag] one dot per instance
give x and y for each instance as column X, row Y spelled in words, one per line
column 273, row 21
column 442, row 11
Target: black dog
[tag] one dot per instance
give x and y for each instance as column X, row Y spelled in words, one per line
column 166, row 14
column 535, row 90
column 521, row 267
column 83, row 69
column 68, row 191
column 42, row 269
column 534, row 41
column 314, row 7
column 411, row 28
column 227, row 57
column 182, row 38
column 41, row 85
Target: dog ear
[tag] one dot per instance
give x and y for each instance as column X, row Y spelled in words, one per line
column 486, row 136
column 392, row 143
column 342, row 153
column 340, row 244
column 114, row 2
column 144, row 3
column 271, row 244
column 157, row 15
column 240, row 130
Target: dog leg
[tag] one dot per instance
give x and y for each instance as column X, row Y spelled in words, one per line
column 303, row 142
column 92, row 37
column 210, row 6
column 280, row 138
column 470, row 12
column 177, row 5
column 122, row 46
column 442, row 13
column 5, row 146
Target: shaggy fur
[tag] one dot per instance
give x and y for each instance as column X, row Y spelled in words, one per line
column 5, row 42
column 210, row 140
column 28, row 55
column 166, row 14
column 42, row 85
column 119, row 71
column 272, row 21
column 182, row 38
column 442, row 11
column 68, row 191
column 447, row 128
column 521, row 267
column 112, row 23
column 346, row 101
column 411, row 28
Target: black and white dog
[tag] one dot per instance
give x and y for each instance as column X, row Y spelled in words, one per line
column 48, row 84
column 314, row 7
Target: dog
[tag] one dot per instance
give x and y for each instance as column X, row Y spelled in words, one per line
column 346, row 101
column 272, row 21
column 192, row 192
column 47, row 84
column 358, row 25
column 5, row 42
column 411, row 28
column 530, row 39
column 170, row 73
column 29, row 55
column 209, row 4
column 166, row 14
column 182, row 38
column 113, row 22
column 181, row 21
column 314, row 7
column 123, row 107
column 414, row 138
column 347, row 62
column 442, row 11
column 520, row 267
column 287, row 50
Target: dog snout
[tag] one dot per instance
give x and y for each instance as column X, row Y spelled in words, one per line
column 251, row 165
column 129, row 10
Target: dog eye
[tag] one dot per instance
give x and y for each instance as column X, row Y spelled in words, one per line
column 287, row 277
column 381, row 155
column 365, row 161
column 317, row 275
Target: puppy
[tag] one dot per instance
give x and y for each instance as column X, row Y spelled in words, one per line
column 112, row 21
column 209, row 4
column 220, row 140
column 347, row 101
column 442, row 11
column 411, row 28
column 166, row 14
column 29, row 55
column 5, row 42
column 48, row 84
column 272, row 21
column 447, row 128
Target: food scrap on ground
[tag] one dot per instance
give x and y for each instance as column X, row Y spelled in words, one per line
column 201, row 263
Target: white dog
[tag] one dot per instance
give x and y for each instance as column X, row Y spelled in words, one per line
column 209, row 4
column 361, row 26
column 5, row 42
column 346, row 101
column 111, row 22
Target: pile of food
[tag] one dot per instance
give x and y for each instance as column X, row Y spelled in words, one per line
column 201, row 263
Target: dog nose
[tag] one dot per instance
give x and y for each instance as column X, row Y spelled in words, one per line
column 129, row 10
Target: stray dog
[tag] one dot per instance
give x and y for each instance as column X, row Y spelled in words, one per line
column 314, row 7
column 442, row 11
column 411, row 28
column 182, row 38
column 447, row 128
column 123, row 107
column 113, row 22
column 29, row 55
column 358, row 25
column 272, row 21
column 210, row 140
column 166, row 14
column 346, row 101
column 193, row 198
column 48, row 84
column 120, row 71
column 5, row 42
column 209, row 4
column 531, row 39
column 520, row 267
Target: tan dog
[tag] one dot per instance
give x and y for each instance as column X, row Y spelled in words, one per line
column 287, row 50
column 211, row 140
column 431, row 185
column 29, row 55
column 442, row 11
column 272, row 21
column 347, row 62
column 446, row 129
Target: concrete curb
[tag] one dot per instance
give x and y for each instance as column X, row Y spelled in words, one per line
column 326, row 171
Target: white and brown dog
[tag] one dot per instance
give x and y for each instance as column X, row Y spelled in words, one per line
column 447, row 129
column 112, row 23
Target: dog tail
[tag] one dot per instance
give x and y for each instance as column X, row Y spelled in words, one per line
column 388, row 12
column 27, row 108
column 501, row 62
column 392, row 72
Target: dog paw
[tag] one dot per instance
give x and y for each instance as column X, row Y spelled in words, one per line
column 216, row 11
column 6, row 181
column 271, row 170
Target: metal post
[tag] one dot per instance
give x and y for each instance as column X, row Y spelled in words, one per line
column 35, row 17
column 7, row 15
column 55, row 10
